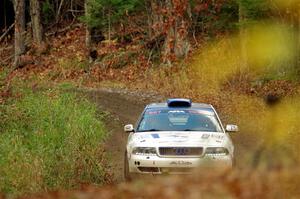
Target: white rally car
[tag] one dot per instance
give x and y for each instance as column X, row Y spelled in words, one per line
column 175, row 137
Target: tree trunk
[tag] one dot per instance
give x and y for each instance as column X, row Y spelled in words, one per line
column 177, row 44
column 37, row 29
column 149, row 10
column 88, row 36
column 155, row 18
column 59, row 10
column 19, row 7
column 5, row 20
column 109, row 26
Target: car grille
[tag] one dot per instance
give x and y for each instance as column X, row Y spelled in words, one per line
column 180, row 151
column 166, row 170
column 176, row 170
column 149, row 169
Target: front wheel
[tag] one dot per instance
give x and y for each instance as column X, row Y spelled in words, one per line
column 127, row 175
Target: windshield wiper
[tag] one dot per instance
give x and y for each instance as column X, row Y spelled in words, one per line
column 153, row 130
column 150, row 130
column 189, row 130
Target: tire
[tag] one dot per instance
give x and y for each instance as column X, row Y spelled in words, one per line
column 127, row 175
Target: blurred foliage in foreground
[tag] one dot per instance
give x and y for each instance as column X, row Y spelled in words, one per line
column 205, row 185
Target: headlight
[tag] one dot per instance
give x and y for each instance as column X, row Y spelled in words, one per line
column 216, row 151
column 144, row 151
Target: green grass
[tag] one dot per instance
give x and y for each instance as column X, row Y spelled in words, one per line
column 49, row 140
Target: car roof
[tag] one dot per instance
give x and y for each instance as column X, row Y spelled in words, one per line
column 165, row 105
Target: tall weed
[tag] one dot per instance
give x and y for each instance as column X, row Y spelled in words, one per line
column 49, row 140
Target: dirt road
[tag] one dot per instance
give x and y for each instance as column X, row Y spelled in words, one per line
column 124, row 107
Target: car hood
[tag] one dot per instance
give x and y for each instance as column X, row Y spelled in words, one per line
column 179, row 138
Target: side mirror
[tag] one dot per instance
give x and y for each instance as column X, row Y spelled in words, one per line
column 128, row 128
column 232, row 128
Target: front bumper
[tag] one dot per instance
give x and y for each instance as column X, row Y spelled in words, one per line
column 176, row 165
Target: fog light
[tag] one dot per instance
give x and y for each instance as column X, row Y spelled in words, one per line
column 144, row 151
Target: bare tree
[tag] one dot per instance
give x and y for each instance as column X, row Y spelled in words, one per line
column 88, row 37
column 177, row 42
column 172, row 19
column 19, row 7
column 37, row 29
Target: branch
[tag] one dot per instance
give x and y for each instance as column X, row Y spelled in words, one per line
column 59, row 9
column 63, row 30
column 4, row 62
column 79, row 11
column 6, row 48
column 7, row 31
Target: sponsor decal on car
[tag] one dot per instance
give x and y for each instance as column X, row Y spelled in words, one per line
column 153, row 112
column 205, row 136
column 155, row 135
column 180, row 162
column 220, row 137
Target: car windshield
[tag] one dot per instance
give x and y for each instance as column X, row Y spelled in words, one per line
column 179, row 120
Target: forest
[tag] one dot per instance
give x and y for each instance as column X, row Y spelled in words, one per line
column 167, row 31
column 66, row 67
